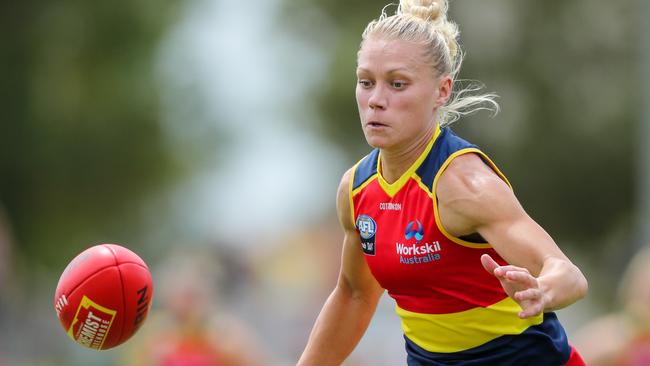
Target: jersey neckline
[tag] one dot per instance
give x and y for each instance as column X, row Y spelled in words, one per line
column 391, row 189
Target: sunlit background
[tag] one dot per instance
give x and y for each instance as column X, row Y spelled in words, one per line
column 215, row 133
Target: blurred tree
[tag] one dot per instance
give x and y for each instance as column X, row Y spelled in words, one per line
column 80, row 139
column 566, row 74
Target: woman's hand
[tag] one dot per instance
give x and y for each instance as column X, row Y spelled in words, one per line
column 519, row 284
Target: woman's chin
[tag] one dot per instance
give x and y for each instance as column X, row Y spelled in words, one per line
column 380, row 142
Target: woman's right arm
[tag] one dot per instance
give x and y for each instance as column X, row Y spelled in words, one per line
column 349, row 308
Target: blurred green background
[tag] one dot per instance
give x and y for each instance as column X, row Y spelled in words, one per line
column 224, row 127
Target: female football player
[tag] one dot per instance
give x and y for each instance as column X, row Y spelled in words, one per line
column 430, row 219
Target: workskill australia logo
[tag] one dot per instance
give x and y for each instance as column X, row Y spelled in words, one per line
column 367, row 229
column 91, row 324
column 417, row 253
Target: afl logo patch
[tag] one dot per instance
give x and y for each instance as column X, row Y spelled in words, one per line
column 366, row 226
column 367, row 229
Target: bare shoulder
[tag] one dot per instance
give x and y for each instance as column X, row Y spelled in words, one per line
column 468, row 177
column 343, row 208
column 470, row 192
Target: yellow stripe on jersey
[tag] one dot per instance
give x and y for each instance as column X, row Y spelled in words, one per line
column 350, row 185
column 421, row 184
column 368, row 181
column 455, row 332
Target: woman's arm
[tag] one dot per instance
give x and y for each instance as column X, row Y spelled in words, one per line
column 472, row 198
column 348, row 310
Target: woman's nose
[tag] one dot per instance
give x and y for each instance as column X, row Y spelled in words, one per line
column 377, row 98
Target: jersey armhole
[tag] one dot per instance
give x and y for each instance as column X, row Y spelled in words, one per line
column 444, row 166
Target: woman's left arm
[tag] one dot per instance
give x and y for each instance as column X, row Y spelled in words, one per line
column 473, row 198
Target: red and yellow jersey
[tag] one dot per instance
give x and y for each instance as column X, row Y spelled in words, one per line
column 447, row 302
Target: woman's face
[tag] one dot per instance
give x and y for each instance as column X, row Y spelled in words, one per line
column 397, row 92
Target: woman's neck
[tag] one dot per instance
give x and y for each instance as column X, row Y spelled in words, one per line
column 395, row 162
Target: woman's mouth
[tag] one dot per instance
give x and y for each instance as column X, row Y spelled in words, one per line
column 376, row 124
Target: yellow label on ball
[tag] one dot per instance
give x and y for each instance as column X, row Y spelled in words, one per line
column 91, row 324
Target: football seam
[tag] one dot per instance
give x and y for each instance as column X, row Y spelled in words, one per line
column 82, row 282
column 141, row 264
column 69, row 292
column 91, row 275
column 119, row 270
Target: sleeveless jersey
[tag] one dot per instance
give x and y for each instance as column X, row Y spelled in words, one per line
column 450, row 307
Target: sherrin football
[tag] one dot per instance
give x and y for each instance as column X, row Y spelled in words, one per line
column 103, row 296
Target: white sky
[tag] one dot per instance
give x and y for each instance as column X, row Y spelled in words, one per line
column 248, row 78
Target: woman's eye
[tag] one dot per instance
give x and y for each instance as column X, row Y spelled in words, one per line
column 365, row 83
column 398, row 84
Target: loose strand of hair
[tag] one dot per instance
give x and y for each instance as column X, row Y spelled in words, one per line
column 462, row 105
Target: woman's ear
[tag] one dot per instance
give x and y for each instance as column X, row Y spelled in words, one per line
column 444, row 90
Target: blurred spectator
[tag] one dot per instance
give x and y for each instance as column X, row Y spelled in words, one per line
column 622, row 338
column 295, row 279
column 189, row 328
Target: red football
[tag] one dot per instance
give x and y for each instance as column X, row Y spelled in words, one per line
column 103, row 296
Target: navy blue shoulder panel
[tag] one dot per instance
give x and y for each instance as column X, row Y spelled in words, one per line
column 446, row 144
column 366, row 168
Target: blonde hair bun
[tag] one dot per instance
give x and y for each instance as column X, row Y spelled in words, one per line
column 429, row 10
column 434, row 11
